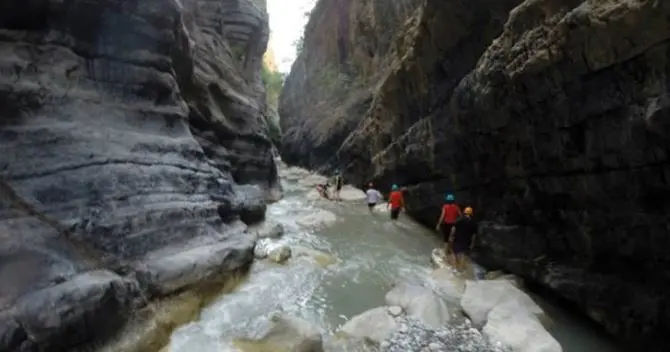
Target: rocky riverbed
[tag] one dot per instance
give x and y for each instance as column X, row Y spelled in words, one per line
column 348, row 280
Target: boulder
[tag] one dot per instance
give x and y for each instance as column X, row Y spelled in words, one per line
column 351, row 193
column 280, row 254
column 513, row 326
column 448, row 284
column 421, row 302
column 375, row 324
column 481, row 297
column 286, row 334
column 60, row 316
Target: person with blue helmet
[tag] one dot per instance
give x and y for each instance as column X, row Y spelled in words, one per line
column 451, row 212
column 396, row 202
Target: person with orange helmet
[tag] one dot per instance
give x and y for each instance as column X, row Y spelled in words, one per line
column 462, row 237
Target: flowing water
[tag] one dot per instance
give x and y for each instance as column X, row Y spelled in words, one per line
column 347, row 268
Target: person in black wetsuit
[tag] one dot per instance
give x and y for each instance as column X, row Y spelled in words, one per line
column 462, row 238
column 338, row 185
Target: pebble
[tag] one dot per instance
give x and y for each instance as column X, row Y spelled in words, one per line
column 395, row 311
column 414, row 336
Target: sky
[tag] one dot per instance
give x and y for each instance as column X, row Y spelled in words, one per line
column 287, row 22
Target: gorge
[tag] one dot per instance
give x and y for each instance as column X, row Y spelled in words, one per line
column 550, row 117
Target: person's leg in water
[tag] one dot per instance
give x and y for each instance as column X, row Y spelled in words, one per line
column 371, row 207
column 394, row 213
column 446, row 232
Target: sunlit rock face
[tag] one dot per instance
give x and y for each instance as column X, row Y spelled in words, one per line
column 549, row 117
column 127, row 129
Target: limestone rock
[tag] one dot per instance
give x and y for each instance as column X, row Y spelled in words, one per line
column 448, row 284
column 510, row 324
column 280, row 254
column 127, row 128
column 420, row 302
column 481, row 297
column 375, row 324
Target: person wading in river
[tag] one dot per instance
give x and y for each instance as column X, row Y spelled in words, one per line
column 338, row 185
column 462, row 238
column 450, row 213
column 396, row 202
column 373, row 197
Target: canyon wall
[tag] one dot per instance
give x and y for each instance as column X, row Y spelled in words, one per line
column 550, row 118
column 133, row 154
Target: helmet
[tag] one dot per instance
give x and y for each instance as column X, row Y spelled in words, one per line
column 468, row 211
column 394, row 187
column 449, row 197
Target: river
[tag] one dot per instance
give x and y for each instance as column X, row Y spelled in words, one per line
column 349, row 267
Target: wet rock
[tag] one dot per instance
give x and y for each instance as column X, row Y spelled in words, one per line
column 512, row 325
column 351, row 194
column 172, row 271
column 319, row 218
column 375, row 324
column 481, row 297
column 448, row 284
column 62, row 316
column 420, row 302
column 280, row 254
column 395, row 310
column 285, row 333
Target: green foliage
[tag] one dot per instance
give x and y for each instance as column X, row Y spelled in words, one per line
column 273, row 82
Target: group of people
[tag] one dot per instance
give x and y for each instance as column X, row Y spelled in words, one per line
column 458, row 228
column 323, row 188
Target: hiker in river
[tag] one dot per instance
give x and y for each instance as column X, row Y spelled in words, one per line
column 450, row 213
column 338, row 185
column 323, row 190
column 462, row 238
column 396, row 202
column 372, row 196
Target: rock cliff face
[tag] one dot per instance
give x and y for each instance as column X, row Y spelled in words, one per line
column 550, row 117
column 133, row 152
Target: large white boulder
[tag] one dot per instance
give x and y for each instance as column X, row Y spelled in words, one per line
column 448, row 284
column 285, row 333
column 515, row 327
column 421, row 302
column 482, row 296
column 375, row 324
column 351, row 193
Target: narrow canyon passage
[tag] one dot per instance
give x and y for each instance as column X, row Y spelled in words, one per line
column 343, row 262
